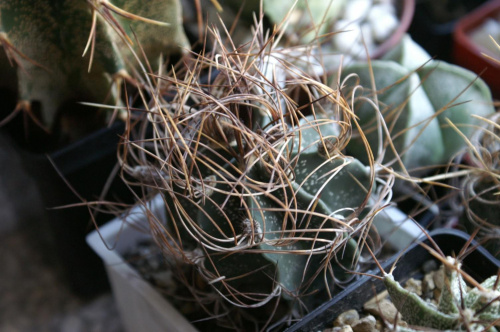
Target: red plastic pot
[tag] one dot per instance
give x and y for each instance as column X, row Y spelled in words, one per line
column 405, row 9
column 468, row 54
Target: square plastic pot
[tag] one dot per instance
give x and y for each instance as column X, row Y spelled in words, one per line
column 468, row 53
column 86, row 165
column 142, row 307
column 433, row 24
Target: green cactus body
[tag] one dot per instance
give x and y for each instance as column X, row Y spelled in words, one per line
column 416, row 311
column 477, row 300
column 330, row 188
column 481, row 307
column 154, row 39
column 417, row 103
column 467, row 100
column 416, row 134
column 254, row 176
column 454, row 288
column 460, row 90
column 283, row 242
column 52, row 35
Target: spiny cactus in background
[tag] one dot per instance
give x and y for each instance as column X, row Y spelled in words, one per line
column 418, row 99
column 459, row 308
column 45, row 41
column 157, row 25
column 258, row 193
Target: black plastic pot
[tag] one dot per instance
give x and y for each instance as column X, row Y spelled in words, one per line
column 86, row 166
column 434, row 21
column 480, row 264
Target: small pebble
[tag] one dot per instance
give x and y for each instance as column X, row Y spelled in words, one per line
column 384, row 27
column 345, row 328
column 437, row 295
column 430, row 266
column 366, row 25
column 346, row 318
column 365, row 324
column 384, row 309
column 438, row 277
column 367, row 37
column 428, row 285
column 377, row 298
column 348, row 33
column 414, row 286
column 357, row 9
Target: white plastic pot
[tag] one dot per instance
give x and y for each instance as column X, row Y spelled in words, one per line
column 142, row 308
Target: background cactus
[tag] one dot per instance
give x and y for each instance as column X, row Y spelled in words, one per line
column 45, row 41
column 416, row 108
column 258, row 194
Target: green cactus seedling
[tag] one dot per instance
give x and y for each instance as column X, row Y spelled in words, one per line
column 459, row 308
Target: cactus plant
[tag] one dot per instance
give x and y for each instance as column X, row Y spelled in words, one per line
column 459, row 308
column 258, row 193
column 461, row 303
column 46, row 40
column 417, row 104
column 480, row 185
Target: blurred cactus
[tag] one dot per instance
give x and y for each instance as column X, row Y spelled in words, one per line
column 305, row 20
column 417, row 105
column 157, row 25
column 45, row 41
column 259, row 196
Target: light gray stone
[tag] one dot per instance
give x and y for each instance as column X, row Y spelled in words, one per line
column 383, row 308
column 348, row 317
column 365, row 324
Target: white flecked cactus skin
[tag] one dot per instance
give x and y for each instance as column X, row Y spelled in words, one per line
column 459, row 308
